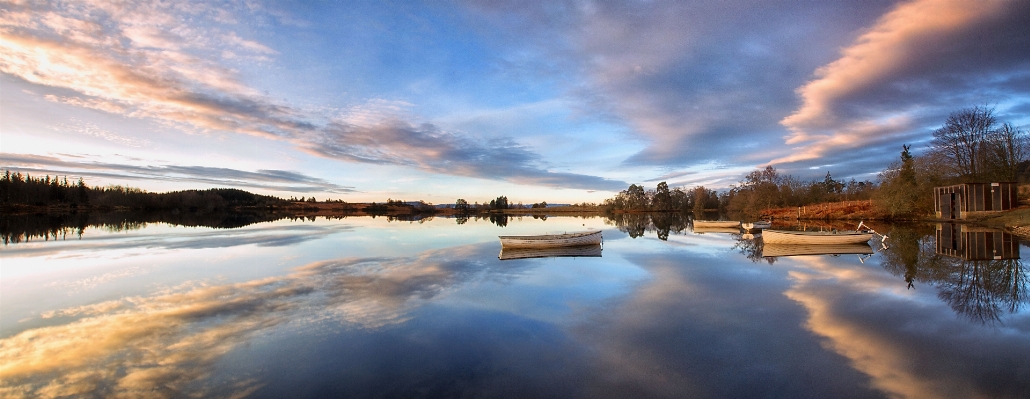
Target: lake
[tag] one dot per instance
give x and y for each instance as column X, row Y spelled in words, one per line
column 372, row 307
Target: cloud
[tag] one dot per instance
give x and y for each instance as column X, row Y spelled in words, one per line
column 93, row 130
column 164, row 62
column 672, row 175
column 429, row 148
column 923, row 58
column 711, row 82
column 268, row 179
column 700, row 83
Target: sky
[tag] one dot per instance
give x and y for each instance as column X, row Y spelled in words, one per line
column 558, row 101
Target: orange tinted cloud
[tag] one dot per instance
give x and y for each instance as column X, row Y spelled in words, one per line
column 142, row 61
column 871, row 61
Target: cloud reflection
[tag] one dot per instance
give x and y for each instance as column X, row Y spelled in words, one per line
column 911, row 346
column 274, row 236
column 167, row 344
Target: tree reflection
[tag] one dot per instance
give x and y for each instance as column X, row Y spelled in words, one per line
column 752, row 247
column 981, row 288
column 984, row 290
column 27, row 227
column 661, row 223
column 501, row 220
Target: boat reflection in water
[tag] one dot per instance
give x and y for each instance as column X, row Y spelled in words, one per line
column 773, row 250
column 593, row 251
column 727, row 230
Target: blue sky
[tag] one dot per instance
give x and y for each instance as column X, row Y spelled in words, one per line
column 556, row 101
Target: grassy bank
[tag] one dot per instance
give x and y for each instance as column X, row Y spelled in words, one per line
column 838, row 210
column 1016, row 221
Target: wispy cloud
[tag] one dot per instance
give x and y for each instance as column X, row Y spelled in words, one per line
column 165, row 62
column 279, row 180
column 429, row 148
column 925, row 57
column 673, row 175
column 89, row 129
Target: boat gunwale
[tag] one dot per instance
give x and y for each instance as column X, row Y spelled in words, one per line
column 552, row 236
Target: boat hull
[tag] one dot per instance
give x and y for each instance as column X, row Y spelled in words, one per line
column 772, row 250
column 727, row 230
column 552, row 240
column 813, row 237
column 508, row 253
column 716, row 223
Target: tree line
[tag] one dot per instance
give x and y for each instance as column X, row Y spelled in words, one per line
column 760, row 189
column 25, row 190
column 462, row 206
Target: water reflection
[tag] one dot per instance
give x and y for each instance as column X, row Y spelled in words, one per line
column 774, row 250
column 25, row 227
column 752, row 247
column 686, row 317
column 264, row 236
column 589, row 251
column 660, row 223
column 978, row 272
column 160, row 345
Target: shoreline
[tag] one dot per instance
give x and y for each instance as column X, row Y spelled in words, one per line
column 1015, row 221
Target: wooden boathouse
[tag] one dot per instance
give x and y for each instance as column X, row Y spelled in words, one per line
column 963, row 200
column 974, row 243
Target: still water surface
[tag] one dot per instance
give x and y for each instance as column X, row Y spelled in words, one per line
column 363, row 307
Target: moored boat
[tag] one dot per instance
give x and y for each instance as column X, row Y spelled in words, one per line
column 508, row 253
column 552, row 240
column 815, row 237
column 716, row 223
column 771, row 250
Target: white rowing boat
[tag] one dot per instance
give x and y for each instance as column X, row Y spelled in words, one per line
column 552, row 240
column 759, row 225
column 815, row 249
column 814, row 237
column 552, row 252
column 716, row 223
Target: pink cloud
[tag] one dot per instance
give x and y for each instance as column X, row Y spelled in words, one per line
column 878, row 55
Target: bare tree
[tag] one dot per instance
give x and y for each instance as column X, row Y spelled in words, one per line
column 1008, row 148
column 964, row 141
